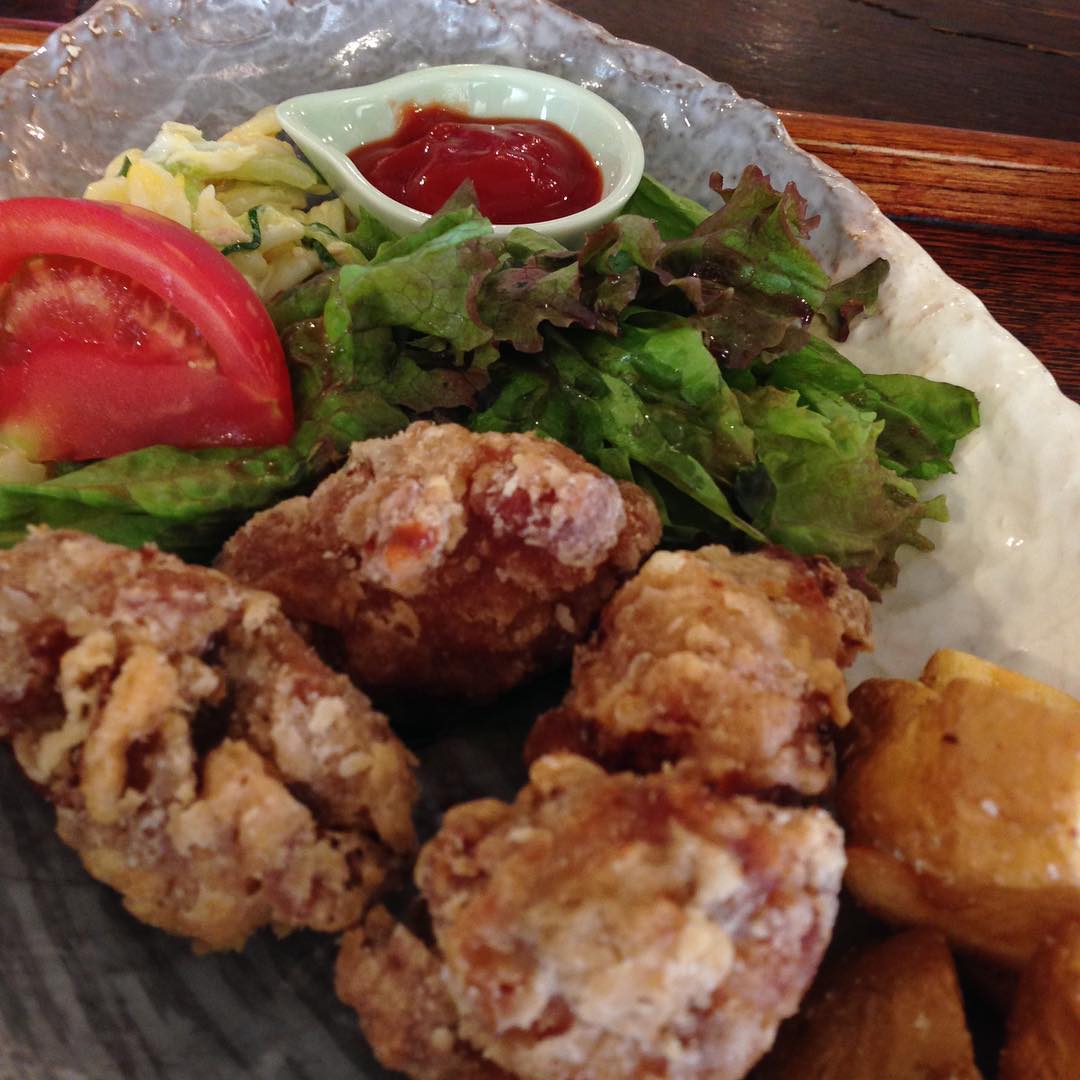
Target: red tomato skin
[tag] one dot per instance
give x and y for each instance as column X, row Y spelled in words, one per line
column 245, row 401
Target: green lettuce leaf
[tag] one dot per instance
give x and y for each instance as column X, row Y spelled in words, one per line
column 829, row 492
column 651, row 399
column 515, row 301
column 673, row 349
column 675, row 215
column 746, row 271
column 846, row 300
column 426, row 282
column 189, row 501
column 923, row 419
column 753, row 243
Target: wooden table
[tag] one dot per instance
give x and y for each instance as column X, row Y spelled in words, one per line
column 998, row 209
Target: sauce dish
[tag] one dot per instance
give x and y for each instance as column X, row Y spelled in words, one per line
column 327, row 126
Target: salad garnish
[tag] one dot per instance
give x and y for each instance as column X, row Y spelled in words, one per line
column 120, row 329
column 248, row 193
column 685, row 349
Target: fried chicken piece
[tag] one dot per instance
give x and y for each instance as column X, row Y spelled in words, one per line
column 202, row 760
column 1044, row 1028
column 603, row 928
column 729, row 661
column 450, row 563
column 395, row 984
column 960, row 795
column 890, row 1011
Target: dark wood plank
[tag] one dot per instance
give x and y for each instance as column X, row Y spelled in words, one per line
column 17, row 41
column 1033, row 24
column 999, row 213
column 53, row 11
column 999, row 65
column 1030, row 284
column 1007, row 181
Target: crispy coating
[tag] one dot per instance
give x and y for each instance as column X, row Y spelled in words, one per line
column 450, row 563
column 729, row 661
column 1044, row 1027
column 395, row 983
column 960, row 795
column 891, row 1009
column 618, row 927
column 201, row 759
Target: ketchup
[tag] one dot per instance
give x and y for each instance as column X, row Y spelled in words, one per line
column 523, row 170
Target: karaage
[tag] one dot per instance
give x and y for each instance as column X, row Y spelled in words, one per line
column 202, row 760
column 729, row 661
column 449, row 563
column 395, row 983
column 611, row 928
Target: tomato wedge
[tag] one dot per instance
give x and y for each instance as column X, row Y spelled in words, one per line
column 120, row 329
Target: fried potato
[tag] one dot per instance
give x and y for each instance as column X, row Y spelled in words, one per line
column 1044, row 1028
column 950, row 665
column 960, row 795
column 889, row 1011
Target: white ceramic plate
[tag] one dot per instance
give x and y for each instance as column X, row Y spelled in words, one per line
column 88, row 993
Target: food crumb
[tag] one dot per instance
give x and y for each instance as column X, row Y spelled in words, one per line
column 326, row 713
column 354, row 763
column 565, row 619
column 442, row 1040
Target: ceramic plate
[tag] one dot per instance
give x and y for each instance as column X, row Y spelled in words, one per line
column 87, row 992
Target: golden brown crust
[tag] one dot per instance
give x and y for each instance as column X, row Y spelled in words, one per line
column 1044, row 1028
column 201, row 759
column 890, row 1009
column 729, row 661
column 960, row 795
column 626, row 927
column 395, row 984
column 448, row 562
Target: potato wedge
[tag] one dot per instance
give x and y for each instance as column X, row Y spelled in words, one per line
column 890, row 1010
column 950, row 665
column 960, row 795
column 1044, row 1028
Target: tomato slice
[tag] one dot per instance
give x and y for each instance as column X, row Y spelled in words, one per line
column 120, row 329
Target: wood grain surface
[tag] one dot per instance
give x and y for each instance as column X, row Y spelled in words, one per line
column 19, row 39
column 949, row 176
column 986, row 65
column 1000, row 213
